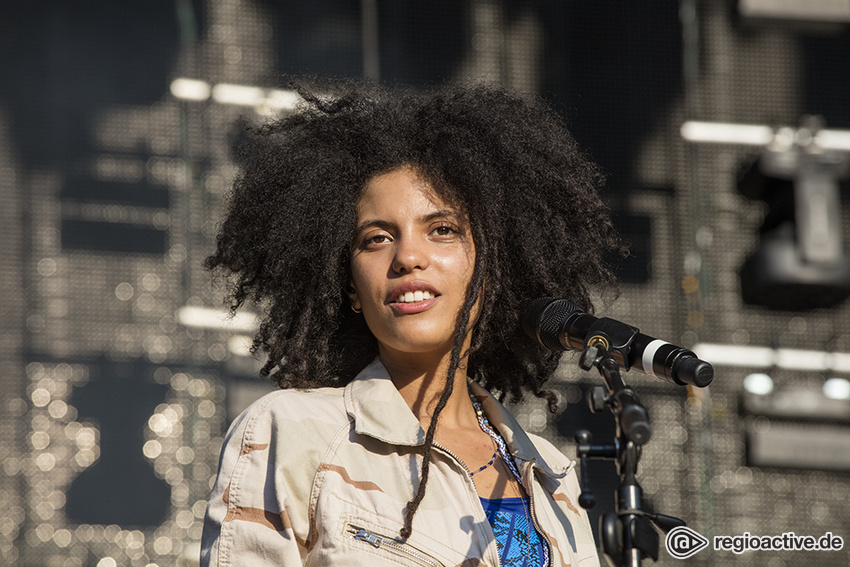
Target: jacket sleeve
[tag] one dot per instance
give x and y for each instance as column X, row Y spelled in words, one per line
column 248, row 518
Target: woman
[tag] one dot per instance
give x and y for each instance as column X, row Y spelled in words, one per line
column 392, row 239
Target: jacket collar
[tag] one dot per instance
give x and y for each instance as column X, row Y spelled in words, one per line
column 379, row 411
column 515, row 437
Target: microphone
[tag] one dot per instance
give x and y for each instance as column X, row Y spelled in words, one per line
column 559, row 324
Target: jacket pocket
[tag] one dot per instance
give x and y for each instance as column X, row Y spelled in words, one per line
column 382, row 544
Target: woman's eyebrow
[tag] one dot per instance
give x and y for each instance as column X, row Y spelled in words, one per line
column 387, row 225
column 438, row 215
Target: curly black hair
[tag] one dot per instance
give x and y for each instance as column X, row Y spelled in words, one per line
column 539, row 226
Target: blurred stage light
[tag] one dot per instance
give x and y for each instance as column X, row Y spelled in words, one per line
column 808, row 10
column 803, row 446
column 757, row 135
column 190, row 89
column 207, row 318
column 225, row 93
column 284, row 99
column 837, row 388
column 833, row 139
column 265, row 102
column 765, row 357
column 758, row 383
column 722, row 133
column 794, row 359
column 735, row 355
column 240, row 345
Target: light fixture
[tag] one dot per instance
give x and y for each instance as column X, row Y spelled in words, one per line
column 800, row 263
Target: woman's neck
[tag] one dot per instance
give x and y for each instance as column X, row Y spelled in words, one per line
column 421, row 379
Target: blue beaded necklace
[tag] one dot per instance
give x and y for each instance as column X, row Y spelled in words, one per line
column 501, row 447
column 502, row 451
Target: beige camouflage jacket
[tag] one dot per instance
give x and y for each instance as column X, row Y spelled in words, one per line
column 320, row 478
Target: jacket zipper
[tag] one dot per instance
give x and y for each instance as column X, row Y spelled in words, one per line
column 525, row 481
column 458, row 459
column 377, row 541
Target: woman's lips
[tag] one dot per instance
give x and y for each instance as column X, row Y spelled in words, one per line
column 415, row 307
column 412, row 287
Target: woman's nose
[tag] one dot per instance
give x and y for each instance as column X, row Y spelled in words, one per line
column 410, row 255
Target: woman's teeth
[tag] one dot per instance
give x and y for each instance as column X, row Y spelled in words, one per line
column 414, row 296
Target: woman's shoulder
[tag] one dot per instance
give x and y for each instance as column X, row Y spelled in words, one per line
column 294, row 405
column 287, row 416
column 291, row 398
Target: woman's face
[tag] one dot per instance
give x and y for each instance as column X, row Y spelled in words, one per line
column 413, row 259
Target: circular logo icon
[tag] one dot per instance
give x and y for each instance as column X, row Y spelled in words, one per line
column 683, row 542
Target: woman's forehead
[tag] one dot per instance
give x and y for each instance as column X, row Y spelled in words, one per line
column 403, row 191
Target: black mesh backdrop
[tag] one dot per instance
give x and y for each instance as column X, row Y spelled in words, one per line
column 110, row 189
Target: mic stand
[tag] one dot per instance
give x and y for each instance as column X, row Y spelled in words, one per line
column 627, row 534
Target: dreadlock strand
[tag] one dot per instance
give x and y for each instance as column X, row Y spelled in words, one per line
column 413, row 505
column 454, row 363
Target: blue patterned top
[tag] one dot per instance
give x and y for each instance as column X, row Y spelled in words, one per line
column 518, row 542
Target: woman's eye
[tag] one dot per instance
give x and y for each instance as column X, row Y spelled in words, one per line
column 375, row 239
column 445, row 230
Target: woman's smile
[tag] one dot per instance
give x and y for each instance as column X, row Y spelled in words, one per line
column 413, row 297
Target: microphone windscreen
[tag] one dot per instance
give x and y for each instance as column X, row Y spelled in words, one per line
column 542, row 320
column 691, row 370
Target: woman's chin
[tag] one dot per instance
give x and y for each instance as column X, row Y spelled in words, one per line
column 417, row 347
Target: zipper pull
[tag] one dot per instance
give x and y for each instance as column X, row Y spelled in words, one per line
column 369, row 538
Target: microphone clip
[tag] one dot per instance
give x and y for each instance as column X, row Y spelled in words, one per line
column 611, row 337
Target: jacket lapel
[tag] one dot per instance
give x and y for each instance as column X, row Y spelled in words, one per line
column 378, row 410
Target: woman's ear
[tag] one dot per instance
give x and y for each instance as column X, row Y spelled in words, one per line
column 351, row 292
